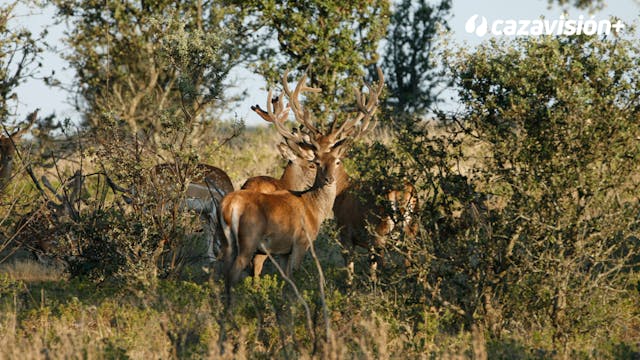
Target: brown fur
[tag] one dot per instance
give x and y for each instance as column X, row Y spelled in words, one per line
column 279, row 223
column 207, row 186
column 298, row 175
column 354, row 214
column 202, row 174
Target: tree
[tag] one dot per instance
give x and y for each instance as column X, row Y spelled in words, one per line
column 334, row 40
column 580, row 4
column 19, row 56
column 558, row 121
column 413, row 79
column 149, row 63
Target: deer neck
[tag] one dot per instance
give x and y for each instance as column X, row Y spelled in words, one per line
column 320, row 199
column 293, row 178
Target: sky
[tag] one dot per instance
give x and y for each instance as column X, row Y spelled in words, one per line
column 35, row 94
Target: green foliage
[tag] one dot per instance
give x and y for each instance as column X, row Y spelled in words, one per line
column 560, row 119
column 9, row 290
column 409, row 61
column 19, row 57
column 151, row 61
column 528, row 198
column 335, row 40
column 580, row 4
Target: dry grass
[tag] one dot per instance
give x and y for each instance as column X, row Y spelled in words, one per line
column 58, row 324
column 32, row 271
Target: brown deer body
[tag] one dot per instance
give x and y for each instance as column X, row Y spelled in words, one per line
column 278, row 223
column 285, row 222
column 361, row 222
column 298, row 175
column 353, row 214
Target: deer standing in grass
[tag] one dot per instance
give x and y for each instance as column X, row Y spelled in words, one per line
column 300, row 172
column 286, row 222
column 354, row 212
column 8, row 149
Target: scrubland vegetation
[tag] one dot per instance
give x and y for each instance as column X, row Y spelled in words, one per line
column 528, row 218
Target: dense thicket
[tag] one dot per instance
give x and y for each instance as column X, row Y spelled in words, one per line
column 528, row 194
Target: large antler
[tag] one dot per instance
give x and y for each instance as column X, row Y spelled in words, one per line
column 367, row 106
column 301, row 114
column 277, row 114
column 366, row 109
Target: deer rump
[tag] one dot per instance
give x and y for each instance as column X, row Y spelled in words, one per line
column 276, row 233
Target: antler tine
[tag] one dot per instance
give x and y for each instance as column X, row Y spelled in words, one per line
column 372, row 101
column 270, row 103
column 367, row 107
column 301, row 114
column 276, row 114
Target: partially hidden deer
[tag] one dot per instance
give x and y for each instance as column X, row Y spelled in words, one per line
column 299, row 173
column 205, row 186
column 300, row 170
column 360, row 221
column 287, row 222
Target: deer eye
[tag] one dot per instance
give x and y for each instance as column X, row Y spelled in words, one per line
column 312, row 166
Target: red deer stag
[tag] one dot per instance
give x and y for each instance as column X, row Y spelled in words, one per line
column 286, row 222
column 300, row 172
column 353, row 211
column 357, row 217
column 8, row 149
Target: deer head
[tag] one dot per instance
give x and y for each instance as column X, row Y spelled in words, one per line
column 339, row 134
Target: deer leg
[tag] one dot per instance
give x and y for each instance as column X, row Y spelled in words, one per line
column 213, row 248
column 348, row 247
column 227, row 247
column 239, row 264
column 258, row 263
column 382, row 232
column 295, row 258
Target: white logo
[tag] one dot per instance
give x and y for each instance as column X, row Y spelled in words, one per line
column 470, row 26
column 561, row 26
